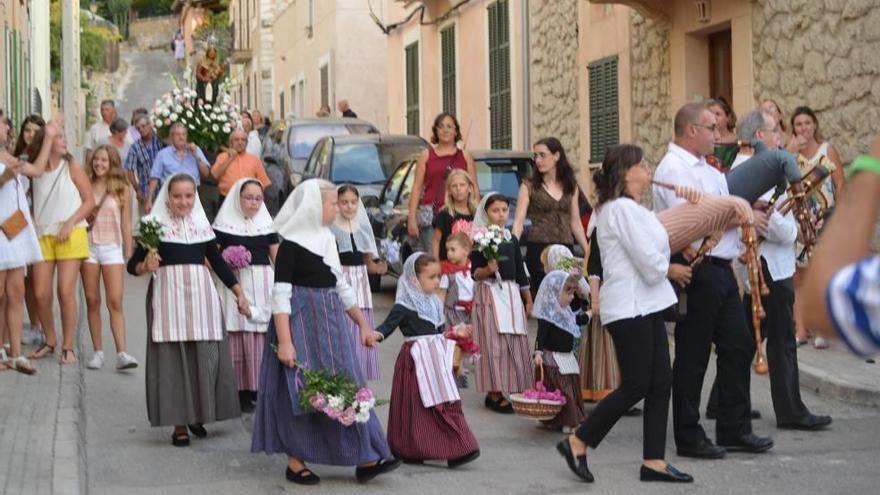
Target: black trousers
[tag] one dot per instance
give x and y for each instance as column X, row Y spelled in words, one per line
column 534, row 265
column 714, row 315
column 643, row 356
column 778, row 328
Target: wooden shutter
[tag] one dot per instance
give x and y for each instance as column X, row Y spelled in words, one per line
column 604, row 108
column 412, row 89
column 447, row 55
column 500, row 125
column 325, row 85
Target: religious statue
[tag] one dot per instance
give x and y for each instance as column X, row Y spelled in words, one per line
column 208, row 72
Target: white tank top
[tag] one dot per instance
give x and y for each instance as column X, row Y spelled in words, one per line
column 53, row 206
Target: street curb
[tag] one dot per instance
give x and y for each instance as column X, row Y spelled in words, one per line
column 828, row 385
column 69, row 472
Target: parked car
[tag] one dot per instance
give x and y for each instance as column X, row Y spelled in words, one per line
column 289, row 143
column 365, row 160
column 497, row 170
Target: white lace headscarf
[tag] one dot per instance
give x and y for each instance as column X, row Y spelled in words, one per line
column 548, row 305
column 411, row 296
column 359, row 227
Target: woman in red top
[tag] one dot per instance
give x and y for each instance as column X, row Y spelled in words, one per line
column 432, row 167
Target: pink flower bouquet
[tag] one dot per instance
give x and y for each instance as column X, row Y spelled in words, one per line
column 237, row 257
column 542, row 394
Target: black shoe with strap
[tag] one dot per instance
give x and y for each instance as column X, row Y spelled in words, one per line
column 302, row 477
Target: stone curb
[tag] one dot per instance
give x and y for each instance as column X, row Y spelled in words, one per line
column 828, row 385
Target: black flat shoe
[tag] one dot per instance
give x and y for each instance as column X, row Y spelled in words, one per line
column 670, row 474
column 366, row 473
column 180, row 439
column 747, row 443
column 198, row 430
column 703, row 450
column 304, row 477
column 578, row 464
column 633, row 412
column 810, row 423
column 499, row 405
column 460, row 461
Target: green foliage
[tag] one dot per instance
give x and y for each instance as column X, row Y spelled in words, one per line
column 150, row 234
column 152, row 8
column 321, row 382
column 93, row 40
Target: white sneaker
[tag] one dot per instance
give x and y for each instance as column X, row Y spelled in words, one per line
column 32, row 335
column 97, row 361
column 125, row 361
column 820, row 343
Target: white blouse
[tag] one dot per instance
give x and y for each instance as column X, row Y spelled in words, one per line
column 635, row 259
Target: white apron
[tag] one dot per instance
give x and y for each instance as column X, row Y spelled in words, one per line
column 566, row 363
column 186, row 306
column 510, row 314
column 433, row 355
column 256, row 283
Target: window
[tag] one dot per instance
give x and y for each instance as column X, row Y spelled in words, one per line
column 500, row 126
column 310, row 26
column 300, row 102
column 281, row 104
column 293, row 97
column 369, row 163
column 447, row 64
column 412, row 89
column 603, row 109
column 325, row 85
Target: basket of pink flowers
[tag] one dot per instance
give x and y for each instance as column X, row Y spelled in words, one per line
column 538, row 403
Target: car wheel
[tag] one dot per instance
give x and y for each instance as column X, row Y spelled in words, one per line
column 375, row 283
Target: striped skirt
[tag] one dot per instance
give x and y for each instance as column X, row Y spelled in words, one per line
column 358, row 278
column 572, row 413
column 504, row 364
column 322, row 340
column 424, row 433
column 246, row 349
column 598, row 360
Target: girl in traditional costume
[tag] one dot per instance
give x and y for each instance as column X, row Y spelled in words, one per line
column 244, row 222
column 190, row 379
column 309, row 305
column 426, row 420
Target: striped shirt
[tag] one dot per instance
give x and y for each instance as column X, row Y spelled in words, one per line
column 140, row 160
column 853, row 301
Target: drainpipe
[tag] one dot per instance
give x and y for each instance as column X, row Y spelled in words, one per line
column 526, row 100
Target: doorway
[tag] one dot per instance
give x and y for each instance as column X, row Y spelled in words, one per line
column 720, row 65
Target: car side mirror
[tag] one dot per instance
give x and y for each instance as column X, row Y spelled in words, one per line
column 370, row 201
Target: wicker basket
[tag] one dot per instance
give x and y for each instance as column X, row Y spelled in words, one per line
column 543, row 410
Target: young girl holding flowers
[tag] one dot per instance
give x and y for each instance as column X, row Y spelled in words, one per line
column 461, row 204
column 426, row 420
column 558, row 327
column 499, row 317
column 457, row 293
column 244, row 230
column 109, row 247
column 357, row 249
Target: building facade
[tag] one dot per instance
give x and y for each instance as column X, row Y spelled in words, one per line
column 252, row 54
column 326, row 50
column 15, row 74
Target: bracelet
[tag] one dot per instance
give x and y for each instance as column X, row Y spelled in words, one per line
column 864, row 163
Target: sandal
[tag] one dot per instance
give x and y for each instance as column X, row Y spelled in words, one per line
column 302, row 477
column 68, row 356
column 180, row 439
column 22, row 365
column 42, row 351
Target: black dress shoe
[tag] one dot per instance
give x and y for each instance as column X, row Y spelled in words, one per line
column 366, row 473
column 809, row 423
column 577, row 464
column 713, row 414
column 633, row 412
column 670, row 474
column 499, row 405
column 703, row 450
column 198, row 430
column 304, row 477
column 180, row 439
column 747, row 443
column 460, row 461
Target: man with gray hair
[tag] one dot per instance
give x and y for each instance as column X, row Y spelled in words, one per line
column 181, row 157
column 759, row 125
column 236, row 163
column 140, row 160
column 100, row 130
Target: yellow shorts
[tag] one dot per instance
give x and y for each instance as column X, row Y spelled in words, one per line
column 76, row 247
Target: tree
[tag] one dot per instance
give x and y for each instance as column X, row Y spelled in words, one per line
column 119, row 10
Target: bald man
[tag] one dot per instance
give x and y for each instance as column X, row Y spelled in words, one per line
column 236, row 163
column 345, row 109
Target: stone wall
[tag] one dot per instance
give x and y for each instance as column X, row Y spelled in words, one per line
column 824, row 54
column 553, row 46
column 651, row 97
column 152, row 32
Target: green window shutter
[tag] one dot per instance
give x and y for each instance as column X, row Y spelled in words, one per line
column 325, row 85
column 412, row 89
column 604, row 107
column 447, row 55
column 500, row 119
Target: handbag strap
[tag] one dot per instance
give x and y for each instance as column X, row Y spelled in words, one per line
column 100, row 203
column 52, row 189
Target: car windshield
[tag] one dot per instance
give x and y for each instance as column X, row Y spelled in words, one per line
column 302, row 138
column 501, row 175
column 369, row 163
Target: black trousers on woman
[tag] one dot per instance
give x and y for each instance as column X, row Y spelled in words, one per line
column 534, row 265
column 643, row 356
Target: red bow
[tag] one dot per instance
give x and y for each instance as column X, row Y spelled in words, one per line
column 448, row 267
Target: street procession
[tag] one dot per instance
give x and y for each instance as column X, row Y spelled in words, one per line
column 372, row 246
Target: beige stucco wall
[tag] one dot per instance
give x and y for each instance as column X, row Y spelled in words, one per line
column 831, row 63
column 153, row 32
column 472, row 84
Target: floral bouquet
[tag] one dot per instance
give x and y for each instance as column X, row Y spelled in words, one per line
column 336, row 396
column 540, row 393
column 150, row 232
column 488, row 241
column 207, row 125
column 237, row 257
column 466, row 344
column 570, row 264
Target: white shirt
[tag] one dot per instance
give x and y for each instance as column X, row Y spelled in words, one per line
column 681, row 168
column 464, row 282
column 635, row 259
column 99, row 132
column 778, row 247
column 254, row 145
column 740, row 158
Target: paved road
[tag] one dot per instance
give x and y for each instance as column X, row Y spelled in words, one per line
column 126, row 456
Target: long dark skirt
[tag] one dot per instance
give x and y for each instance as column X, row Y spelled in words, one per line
column 188, row 382
column 322, row 341
column 572, row 413
column 419, row 432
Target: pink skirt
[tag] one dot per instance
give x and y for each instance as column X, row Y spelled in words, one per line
column 424, row 433
column 504, row 364
column 246, row 349
column 368, row 357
